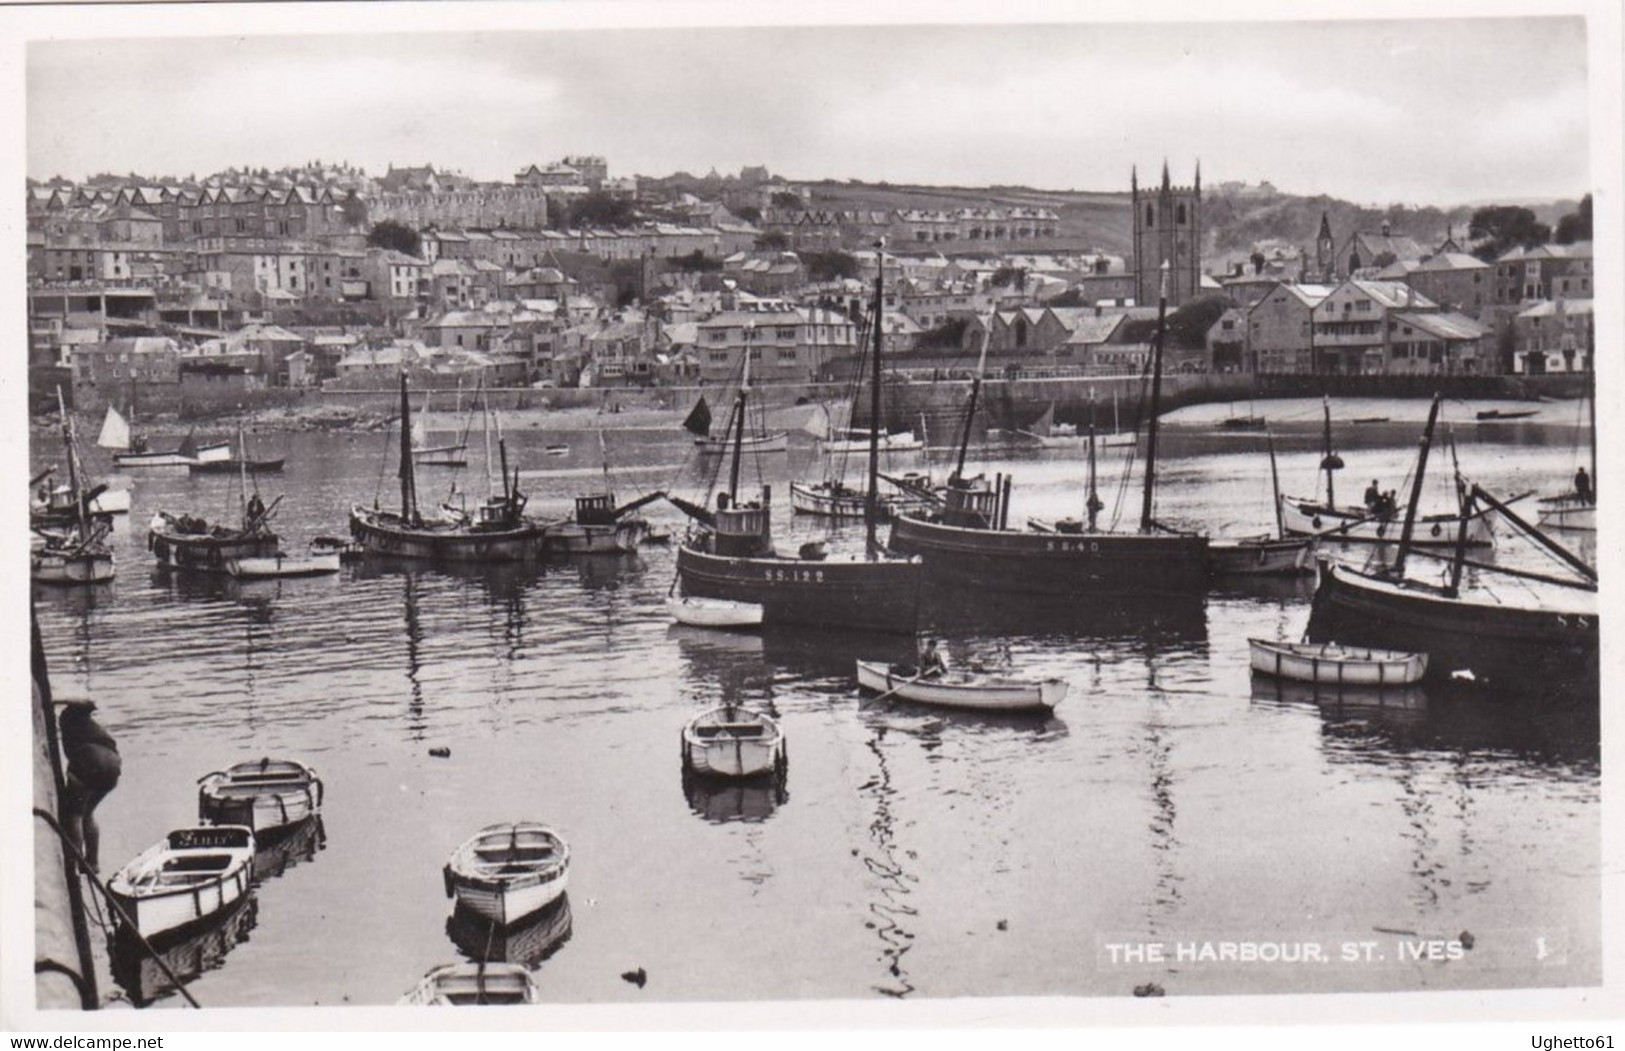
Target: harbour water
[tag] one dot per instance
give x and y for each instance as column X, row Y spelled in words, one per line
column 1172, row 798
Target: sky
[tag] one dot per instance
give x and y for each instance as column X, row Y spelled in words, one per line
column 1396, row 111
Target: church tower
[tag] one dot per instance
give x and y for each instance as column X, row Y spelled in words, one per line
column 1167, row 227
column 1325, row 251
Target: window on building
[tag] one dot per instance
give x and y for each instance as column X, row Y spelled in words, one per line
column 1150, row 216
column 1179, row 214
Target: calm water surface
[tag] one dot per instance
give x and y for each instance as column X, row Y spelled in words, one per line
column 913, row 852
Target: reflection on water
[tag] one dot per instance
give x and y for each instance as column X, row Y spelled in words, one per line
column 562, row 686
column 723, row 800
column 278, row 851
column 528, row 942
column 145, row 981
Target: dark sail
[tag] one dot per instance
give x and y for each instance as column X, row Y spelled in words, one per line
column 699, row 419
column 189, row 446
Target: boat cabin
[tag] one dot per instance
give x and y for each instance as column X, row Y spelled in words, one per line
column 969, row 505
column 597, row 509
column 498, row 513
column 744, row 530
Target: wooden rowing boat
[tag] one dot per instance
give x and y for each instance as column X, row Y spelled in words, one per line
column 732, row 741
column 191, row 876
column 696, row 612
column 507, row 872
column 263, row 794
column 466, row 984
column 1333, row 663
column 963, row 688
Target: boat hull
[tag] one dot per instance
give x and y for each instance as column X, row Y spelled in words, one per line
column 487, row 878
column 892, row 443
column 230, row 466
column 573, row 538
column 203, row 552
column 205, row 454
column 1300, row 517
column 263, row 796
column 875, row 596
column 56, row 567
column 1569, row 514
column 1261, row 557
column 733, row 743
column 315, row 564
column 1054, row 563
column 167, row 889
column 1335, row 665
column 380, row 533
column 981, row 693
column 713, row 613
column 1543, row 649
column 767, row 443
column 820, row 500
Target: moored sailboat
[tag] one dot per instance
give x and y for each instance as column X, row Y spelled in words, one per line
column 1278, row 555
column 498, row 531
column 731, row 555
column 79, row 555
column 130, row 451
column 599, row 526
column 1576, row 509
column 969, row 542
column 1545, row 642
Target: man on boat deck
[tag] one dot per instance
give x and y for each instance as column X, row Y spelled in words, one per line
column 1582, row 487
column 1373, row 496
column 93, row 771
column 932, row 660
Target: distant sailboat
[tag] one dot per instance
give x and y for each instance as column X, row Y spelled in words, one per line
column 426, row 455
column 759, row 440
column 80, row 556
column 130, row 451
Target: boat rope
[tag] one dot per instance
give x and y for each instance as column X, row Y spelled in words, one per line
column 114, row 906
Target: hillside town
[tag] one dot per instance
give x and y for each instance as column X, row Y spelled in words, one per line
column 250, row 285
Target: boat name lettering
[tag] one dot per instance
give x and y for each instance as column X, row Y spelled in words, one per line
column 803, row 576
column 206, row 837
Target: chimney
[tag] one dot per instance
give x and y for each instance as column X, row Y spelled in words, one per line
column 1385, row 228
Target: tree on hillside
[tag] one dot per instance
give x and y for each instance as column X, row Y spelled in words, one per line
column 749, row 214
column 773, row 241
column 1503, row 227
column 1009, row 277
column 1575, row 226
column 391, row 234
column 603, row 210
column 829, row 266
column 785, row 199
column 1187, row 326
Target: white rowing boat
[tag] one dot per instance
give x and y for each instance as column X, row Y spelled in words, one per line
column 698, row 612
column 322, row 558
column 963, row 688
column 263, row 794
column 465, row 984
column 189, row 877
column 507, row 872
column 1331, row 663
column 732, row 741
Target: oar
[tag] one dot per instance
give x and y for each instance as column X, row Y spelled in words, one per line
column 911, row 682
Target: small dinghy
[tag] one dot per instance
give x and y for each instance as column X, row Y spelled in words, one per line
column 556, row 450
column 963, row 689
column 1331, row 663
column 507, row 872
column 714, row 612
column 263, row 794
column 321, row 559
column 465, row 984
column 732, row 741
column 191, row 876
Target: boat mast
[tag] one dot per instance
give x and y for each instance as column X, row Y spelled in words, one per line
column 1156, row 398
column 73, row 467
column 409, row 488
column 485, row 414
column 242, row 474
column 739, row 411
column 970, row 408
column 1328, row 459
column 871, row 502
column 1275, row 485
column 1398, row 568
column 1093, row 504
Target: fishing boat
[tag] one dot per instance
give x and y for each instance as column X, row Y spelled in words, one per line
column 733, row 741
column 1505, row 414
column 132, row 452
column 191, row 543
column 731, row 555
column 969, row 544
column 1330, row 663
column 77, row 554
column 1544, row 641
column 54, row 505
column 266, row 795
column 695, row 612
column 598, row 526
column 1324, row 517
column 835, row 499
column 191, row 876
column 1574, row 510
column 507, row 872
column 963, row 688
column 474, row 984
column 1267, row 555
column 232, row 465
column 497, row 530
column 1248, row 421
column 761, row 440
